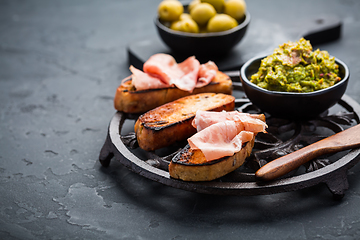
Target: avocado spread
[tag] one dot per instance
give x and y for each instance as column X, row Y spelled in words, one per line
column 294, row 67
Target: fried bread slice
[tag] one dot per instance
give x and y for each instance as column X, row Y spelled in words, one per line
column 191, row 164
column 127, row 99
column 171, row 122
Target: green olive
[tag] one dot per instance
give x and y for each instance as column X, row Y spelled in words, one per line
column 221, row 22
column 185, row 25
column 170, row 10
column 176, row 25
column 184, row 16
column 217, row 4
column 235, row 8
column 192, row 4
column 202, row 12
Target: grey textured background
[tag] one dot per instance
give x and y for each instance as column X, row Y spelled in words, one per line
column 60, row 64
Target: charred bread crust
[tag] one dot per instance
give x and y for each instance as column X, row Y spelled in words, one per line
column 190, row 165
column 128, row 100
column 171, row 122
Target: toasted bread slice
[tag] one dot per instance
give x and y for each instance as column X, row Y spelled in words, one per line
column 171, row 122
column 128, row 100
column 191, row 165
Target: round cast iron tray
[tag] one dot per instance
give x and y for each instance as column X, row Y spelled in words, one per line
column 332, row 170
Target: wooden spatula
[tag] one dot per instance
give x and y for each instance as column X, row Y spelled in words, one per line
column 341, row 141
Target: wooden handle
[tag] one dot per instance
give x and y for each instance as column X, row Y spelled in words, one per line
column 344, row 140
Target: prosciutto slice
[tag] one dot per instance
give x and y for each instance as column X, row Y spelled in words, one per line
column 162, row 71
column 222, row 134
column 190, row 68
column 219, row 140
column 245, row 121
column 144, row 81
column 183, row 75
column 162, row 66
column 207, row 72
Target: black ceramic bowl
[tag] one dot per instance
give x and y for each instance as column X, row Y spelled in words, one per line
column 202, row 44
column 289, row 104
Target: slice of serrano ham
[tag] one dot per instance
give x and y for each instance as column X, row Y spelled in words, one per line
column 190, row 69
column 207, row 72
column 219, row 140
column 164, row 67
column 144, row 81
column 183, row 75
column 245, row 121
column 223, row 133
column 161, row 71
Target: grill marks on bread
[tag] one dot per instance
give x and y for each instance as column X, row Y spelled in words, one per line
column 172, row 122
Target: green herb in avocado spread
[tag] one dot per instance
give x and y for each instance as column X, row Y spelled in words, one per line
column 294, row 67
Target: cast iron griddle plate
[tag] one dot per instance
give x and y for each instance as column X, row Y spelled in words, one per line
column 331, row 170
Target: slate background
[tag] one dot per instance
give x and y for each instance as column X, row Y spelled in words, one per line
column 60, row 63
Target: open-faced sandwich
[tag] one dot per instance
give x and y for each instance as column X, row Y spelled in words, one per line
column 222, row 143
column 172, row 122
column 163, row 80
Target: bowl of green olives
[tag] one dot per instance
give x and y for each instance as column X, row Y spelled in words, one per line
column 212, row 35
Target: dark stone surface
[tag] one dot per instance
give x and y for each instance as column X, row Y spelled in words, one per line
column 60, row 63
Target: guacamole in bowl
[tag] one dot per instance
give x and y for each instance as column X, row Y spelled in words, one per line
column 320, row 88
column 295, row 67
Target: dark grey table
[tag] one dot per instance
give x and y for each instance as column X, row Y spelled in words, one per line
column 60, row 63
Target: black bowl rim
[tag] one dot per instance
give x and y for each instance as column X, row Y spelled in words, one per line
column 295, row 94
column 242, row 25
